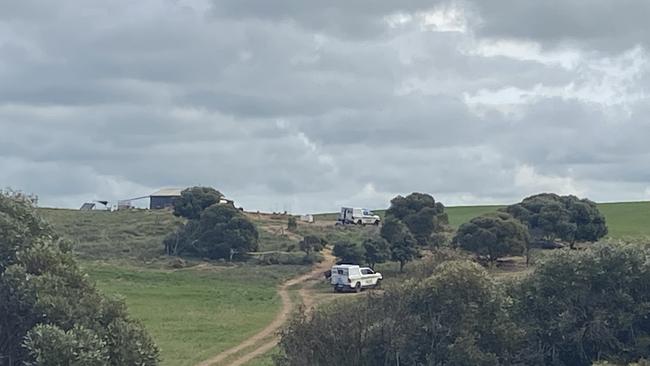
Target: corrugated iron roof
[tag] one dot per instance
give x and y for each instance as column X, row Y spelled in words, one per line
column 167, row 192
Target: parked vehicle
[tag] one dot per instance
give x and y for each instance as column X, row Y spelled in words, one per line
column 358, row 216
column 350, row 277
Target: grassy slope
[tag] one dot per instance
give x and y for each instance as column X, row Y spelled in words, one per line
column 192, row 313
column 125, row 235
column 629, row 219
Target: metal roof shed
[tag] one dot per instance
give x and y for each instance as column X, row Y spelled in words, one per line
column 164, row 198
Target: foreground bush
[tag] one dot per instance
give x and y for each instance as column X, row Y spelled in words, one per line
column 457, row 316
column 581, row 307
column 50, row 314
column 576, row 308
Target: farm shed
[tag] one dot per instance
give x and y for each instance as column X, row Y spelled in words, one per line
column 164, row 198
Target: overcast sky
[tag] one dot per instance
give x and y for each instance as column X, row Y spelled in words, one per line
column 308, row 105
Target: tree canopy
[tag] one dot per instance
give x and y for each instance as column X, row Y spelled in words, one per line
column 194, row 200
column 50, row 314
column 493, row 236
column 403, row 246
column 377, row 250
column 568, row 218
column 420, row 213
column 221, row 231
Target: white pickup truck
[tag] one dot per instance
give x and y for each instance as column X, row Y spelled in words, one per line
column 354, row 278
column 357, row 216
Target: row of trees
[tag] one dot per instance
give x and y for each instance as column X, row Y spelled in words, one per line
column 576, row 308
column 418, row 221
column 50, row 313
column 540, row 219
column 213, row 230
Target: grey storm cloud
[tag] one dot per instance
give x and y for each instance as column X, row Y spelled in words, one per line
column 306, row 105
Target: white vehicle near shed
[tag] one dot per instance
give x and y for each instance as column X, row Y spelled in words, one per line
column 358, row 216
column 350, row 277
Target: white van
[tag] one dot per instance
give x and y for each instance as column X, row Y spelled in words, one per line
column 353, row 278
column 358, row 216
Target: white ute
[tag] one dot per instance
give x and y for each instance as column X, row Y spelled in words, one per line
column 354, row 278
column 359, row 216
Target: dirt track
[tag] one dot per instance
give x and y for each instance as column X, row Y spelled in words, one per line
column 267, row 338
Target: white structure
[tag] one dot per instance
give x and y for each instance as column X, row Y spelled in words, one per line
column 358, row 216
column 307, row 218
column 352, row 277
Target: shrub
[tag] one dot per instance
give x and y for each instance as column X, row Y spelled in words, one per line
column 50, row 313
column 583, row 306
column 348, row 252
column 456, row 317
column 292, row 223
column 220, row 232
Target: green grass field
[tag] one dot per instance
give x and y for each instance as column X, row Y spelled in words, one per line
column 627, row 220
column 135, row 235
column 196, row 313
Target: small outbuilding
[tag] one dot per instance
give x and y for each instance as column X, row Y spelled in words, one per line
column 164, row 198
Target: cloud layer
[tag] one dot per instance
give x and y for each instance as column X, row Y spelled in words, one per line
column 304, row 106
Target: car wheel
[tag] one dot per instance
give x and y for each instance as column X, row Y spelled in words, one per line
column 359, row 222
column 376, row 222
column 357, row 288
column 378, row 284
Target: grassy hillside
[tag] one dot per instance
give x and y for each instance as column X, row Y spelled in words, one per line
column 129, row 234
column 627, row 219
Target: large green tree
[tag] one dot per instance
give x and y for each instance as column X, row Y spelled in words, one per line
column 403, row 246
column 194, row 200
column 420, row 213
column 567, row 218
column 50, row 313
column 493, row 236
column 221, row 231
